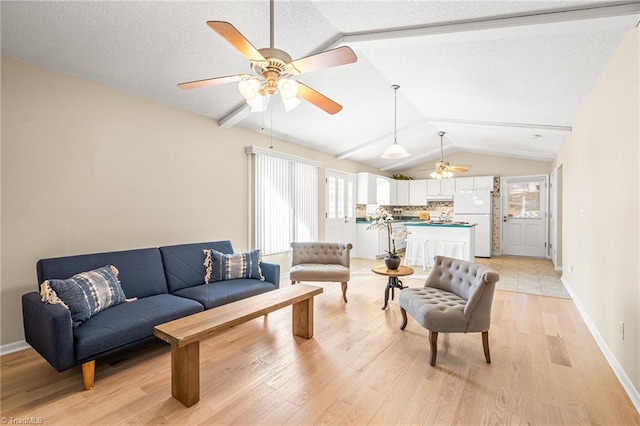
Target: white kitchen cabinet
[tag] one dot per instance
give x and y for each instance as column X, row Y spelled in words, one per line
column 483, row 183
column 402, row 192
column 464, row 184
column 418, row 192
column 370, row 243
column 447, row 186
column 440, row 189
column 393, row 195
column 383, row 191
column 478, row 183
column 366, row 188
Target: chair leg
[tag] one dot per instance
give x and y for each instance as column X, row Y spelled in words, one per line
column 404, row 318
column 88, row 374
column 433, row 340
column 344, row 291
column 485, row 346
column 292, row 282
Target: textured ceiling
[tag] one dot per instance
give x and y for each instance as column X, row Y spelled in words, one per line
column 489, row 88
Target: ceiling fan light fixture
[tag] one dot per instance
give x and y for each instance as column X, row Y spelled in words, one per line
column 249, row 88
column 290, row 103
column 395, row 151
column 288, row 88
column 259, row 102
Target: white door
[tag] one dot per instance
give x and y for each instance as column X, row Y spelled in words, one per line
column 340, row 205
column 524, row 216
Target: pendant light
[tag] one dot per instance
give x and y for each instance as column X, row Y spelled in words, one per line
column 395, row 151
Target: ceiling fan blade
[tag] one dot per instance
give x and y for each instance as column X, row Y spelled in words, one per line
column 331, row 58
column 459, row 169
column 210, row 82
column 318, row 99
column 237, row 40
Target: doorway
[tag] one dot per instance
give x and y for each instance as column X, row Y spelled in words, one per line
column 524, row 215
column 340, row 205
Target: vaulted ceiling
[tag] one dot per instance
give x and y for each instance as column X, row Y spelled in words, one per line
column 500, row 77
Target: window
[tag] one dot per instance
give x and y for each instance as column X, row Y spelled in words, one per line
column 286, row 200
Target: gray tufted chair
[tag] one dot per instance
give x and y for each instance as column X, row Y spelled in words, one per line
column 321, row 261
column 456, row 298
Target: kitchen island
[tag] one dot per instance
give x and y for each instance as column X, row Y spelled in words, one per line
column 451, row 239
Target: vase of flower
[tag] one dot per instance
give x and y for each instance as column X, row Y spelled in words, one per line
column 392, row 262
column 382, row 219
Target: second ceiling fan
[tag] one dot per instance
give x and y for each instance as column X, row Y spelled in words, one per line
column 444, row 170
column 273, row 69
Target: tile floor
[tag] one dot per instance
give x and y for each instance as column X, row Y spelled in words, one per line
column 520, row 274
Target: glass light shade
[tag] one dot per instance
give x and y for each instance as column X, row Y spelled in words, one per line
column 259, row 103
column 395, row 151
column 288, row 88
column 290, row 103
column 249, row 88
column 441, row 174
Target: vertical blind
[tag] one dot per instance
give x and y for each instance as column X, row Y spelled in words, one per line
column 286, row 203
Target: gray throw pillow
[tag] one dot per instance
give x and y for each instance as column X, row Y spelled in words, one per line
column 85, row 294
column 222, row 267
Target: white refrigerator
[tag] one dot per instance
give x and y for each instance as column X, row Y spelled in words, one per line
column 475, row 207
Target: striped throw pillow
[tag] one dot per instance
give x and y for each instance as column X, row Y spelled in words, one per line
column 221, row 267
column 85, row 294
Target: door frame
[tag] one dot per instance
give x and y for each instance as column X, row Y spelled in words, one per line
column 545, row 222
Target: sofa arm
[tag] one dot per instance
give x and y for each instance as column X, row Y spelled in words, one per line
column 47, row 328
column 271, row 273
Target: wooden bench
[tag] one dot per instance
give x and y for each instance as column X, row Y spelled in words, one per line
column 184, row 334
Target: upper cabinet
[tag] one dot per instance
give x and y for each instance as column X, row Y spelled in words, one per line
column 440, row 189
column 483, row 183
column 418, row 192
column 367, row 188
column 375, row 189
column 478, row 183
column 383, row 191
column 402, row 192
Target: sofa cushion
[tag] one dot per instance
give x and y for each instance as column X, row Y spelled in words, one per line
column 221, row 267
column 140, row 271
column 435, row 309
column 223, row 292
column 184, row 263
column 85, row 294
column 128, row 323
column 319, row 272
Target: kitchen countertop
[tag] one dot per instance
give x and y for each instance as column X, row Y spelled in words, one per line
column 401, row 219
column 441, row 224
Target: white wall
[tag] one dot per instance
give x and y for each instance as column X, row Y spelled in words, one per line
column 601, row 198
column 485, row 165
column 87, row 169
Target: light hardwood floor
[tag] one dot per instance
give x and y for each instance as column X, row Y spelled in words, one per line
column 359, row 368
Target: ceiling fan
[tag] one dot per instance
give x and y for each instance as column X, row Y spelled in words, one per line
column 272, row 71
column 444, row 170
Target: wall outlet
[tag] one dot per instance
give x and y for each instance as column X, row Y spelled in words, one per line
column 622, row 330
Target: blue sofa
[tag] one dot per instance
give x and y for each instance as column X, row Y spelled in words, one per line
column 168, row 283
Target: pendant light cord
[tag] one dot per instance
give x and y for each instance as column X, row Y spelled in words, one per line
column 395, row 87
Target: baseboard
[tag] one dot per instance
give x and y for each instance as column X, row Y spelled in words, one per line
column 624, row 380
column 13, row 347
column 558, row 268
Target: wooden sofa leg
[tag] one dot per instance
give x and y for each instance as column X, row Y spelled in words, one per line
column 88, row 374
column 344, row 291
column 293, row 282
column 485, row 346
column 433, row 340
column 404, row 318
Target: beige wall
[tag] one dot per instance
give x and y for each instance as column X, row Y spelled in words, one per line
column 600, row 162
column 87, row 169
column 486, row 165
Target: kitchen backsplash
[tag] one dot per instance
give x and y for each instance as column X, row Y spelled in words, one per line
column 435, row 208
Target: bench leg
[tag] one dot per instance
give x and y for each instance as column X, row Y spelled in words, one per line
column 185, row 373
column 88, row 374
column 303, row 318
column 344, row 291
